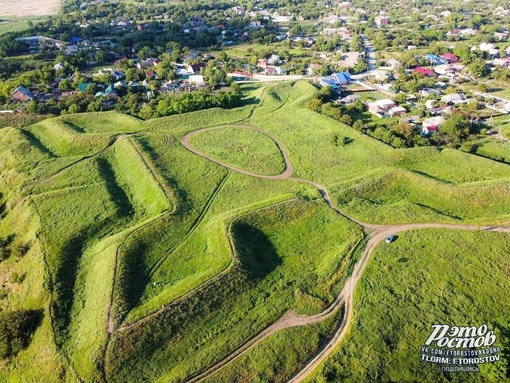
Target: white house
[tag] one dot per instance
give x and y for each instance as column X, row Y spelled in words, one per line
column 386, row 107
column 197, row 80
column 430, row 125
column 455, row 99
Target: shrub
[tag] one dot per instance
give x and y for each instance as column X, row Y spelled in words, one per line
column 16, row 329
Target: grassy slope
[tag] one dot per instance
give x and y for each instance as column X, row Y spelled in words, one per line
column 451, row 277
column 163, row 213
column 244, row 148
column 491, row 148
column 309, row 139
column 279, row 356
column 266, row 282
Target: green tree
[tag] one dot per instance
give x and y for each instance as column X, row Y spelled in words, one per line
column 16, row 329
column 404, row 130
column 478, row 68
column 456, row 128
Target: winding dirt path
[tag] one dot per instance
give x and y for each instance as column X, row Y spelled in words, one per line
column 376, row 233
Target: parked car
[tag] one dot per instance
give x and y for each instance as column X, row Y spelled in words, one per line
column 389, row 239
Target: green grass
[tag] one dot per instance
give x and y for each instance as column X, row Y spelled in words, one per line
column 425, row 277
column 405, row 197
column 114, row 208
column 497, row 150
column 13, row 24
column 264, row 283
column 503, row 123
column 279, row 356
column 243, row 148
column 63, row 139
column 101, row 122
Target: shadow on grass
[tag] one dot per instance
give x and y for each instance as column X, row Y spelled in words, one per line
column 257, row 255
column 132, row 278
column 119, row 197
column 250, row 101
column 183, row 201
column 35, row 142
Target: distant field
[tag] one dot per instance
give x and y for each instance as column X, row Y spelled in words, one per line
column 13, row 25
column 29, row 8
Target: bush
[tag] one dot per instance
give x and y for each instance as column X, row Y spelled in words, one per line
column 16, row 329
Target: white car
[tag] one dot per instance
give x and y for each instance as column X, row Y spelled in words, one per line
column 389, row 239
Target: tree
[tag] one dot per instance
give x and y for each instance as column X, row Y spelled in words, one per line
column 16, row 329
column 358, row 125
column 462, row 51
column 404, row 130
column 326, row 93
column 478, row 68
column 31, row 107
column 456, row 128
column 65, row 85
column 313, row 104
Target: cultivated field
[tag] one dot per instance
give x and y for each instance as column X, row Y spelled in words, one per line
column 166, row 251
column 29, row 8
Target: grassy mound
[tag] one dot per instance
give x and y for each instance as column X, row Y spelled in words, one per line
column 273, row 245
column 104, row 219
column 241, row 147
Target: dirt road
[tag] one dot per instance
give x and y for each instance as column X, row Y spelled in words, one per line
column 376, row 233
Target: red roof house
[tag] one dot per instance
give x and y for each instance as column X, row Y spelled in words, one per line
column 424, row 71
column 452, row 59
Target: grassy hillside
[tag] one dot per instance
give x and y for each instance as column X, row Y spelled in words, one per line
column 271, row 246
column 147, row 262
column 243, row 148
column 451, row 277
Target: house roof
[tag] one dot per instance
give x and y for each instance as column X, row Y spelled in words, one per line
column 381, row 103
column 433, row 122
column 21, row 89
column 196, row 67
column 83, row 86
column 424, row 71
column 454, row 98
column 327, row 81
column 449, row 56
column 341, row 77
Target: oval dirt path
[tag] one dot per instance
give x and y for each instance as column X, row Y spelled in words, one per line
column 376, row 233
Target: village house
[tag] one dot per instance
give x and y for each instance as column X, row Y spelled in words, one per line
column 489, row 48
column 22, row 94
column 504, row 63
column 454, row 99
column 381, row 20
column 385, row 108
column 430, row 125
column 450, row 58
column 37, row 42
column 424, row 71
column 394, row 64
column 197, row 80
column 144, row 64
column 348, row 99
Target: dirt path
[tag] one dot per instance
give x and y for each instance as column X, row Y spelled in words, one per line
column 282, row 176
column 377, row 233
